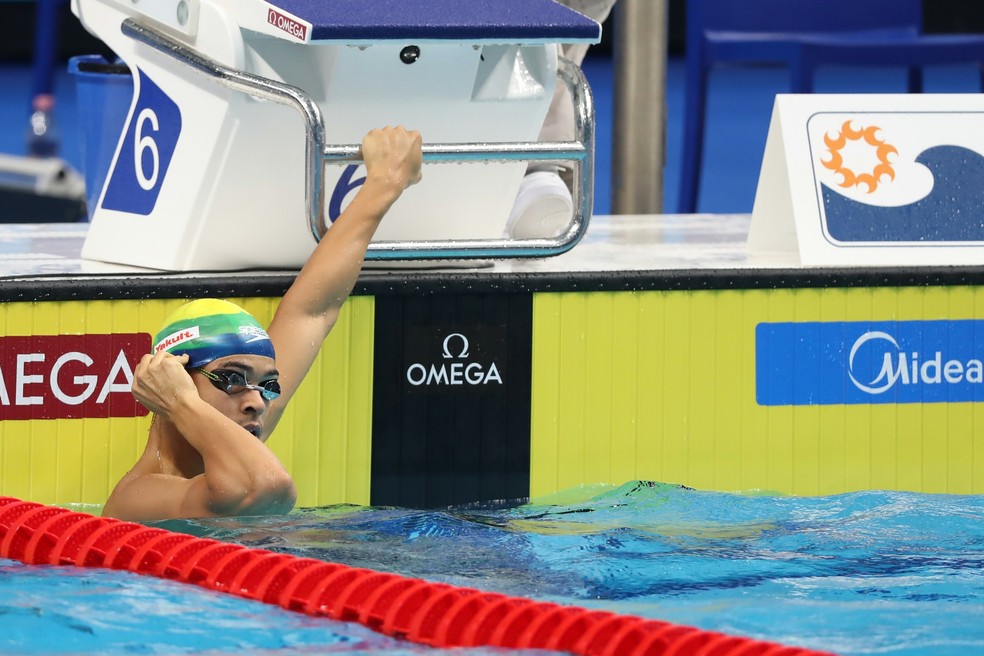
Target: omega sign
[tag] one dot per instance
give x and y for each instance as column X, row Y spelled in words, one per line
column 287, row 24
column 70, row 376
column 456, row 367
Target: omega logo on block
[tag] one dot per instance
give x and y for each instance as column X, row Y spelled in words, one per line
column 287, row 24
column 460, row 371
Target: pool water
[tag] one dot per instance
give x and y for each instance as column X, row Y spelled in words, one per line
column 863, row 573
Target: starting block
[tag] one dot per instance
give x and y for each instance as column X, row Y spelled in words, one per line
column 213, row 170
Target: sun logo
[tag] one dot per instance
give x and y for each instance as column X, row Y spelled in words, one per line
column 850, row 178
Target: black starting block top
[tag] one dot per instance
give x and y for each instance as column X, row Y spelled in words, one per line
column 503, row 21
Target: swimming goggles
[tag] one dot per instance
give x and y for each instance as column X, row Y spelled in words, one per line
column 233, row 382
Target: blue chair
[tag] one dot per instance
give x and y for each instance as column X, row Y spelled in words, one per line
column 803, row 36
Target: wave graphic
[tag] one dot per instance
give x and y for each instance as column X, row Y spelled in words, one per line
column 953, row 211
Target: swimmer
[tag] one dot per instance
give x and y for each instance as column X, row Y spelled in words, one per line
column 218, row 383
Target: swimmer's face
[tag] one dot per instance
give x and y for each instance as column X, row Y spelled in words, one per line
column 245, row 406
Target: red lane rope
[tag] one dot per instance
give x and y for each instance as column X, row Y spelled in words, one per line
column 435, row 614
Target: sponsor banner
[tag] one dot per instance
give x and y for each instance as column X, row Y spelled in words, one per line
column 449, row 359
column 70, row 376
column 826, row 363
column 451, row 399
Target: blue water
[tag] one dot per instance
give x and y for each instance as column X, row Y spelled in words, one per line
column 863, row 573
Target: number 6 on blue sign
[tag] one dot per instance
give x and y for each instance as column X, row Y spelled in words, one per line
column 151, row 136
column 146, row 143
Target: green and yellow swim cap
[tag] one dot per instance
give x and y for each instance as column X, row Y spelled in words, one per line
column 208, row 328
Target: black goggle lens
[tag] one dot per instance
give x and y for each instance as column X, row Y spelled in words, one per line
column 233, row 382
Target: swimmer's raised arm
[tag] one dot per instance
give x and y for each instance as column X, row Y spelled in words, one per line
column 218, row 383
column 310, row 307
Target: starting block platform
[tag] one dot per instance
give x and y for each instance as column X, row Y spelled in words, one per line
column 213, row 170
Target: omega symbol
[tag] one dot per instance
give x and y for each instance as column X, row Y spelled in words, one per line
column 447, row 347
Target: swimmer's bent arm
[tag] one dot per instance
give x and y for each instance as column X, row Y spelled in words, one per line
column 310, row 307
column 242, row 476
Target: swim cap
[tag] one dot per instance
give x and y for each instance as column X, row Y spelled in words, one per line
column 208, row 328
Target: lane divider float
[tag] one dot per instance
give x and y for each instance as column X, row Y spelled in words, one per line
column 435, row 614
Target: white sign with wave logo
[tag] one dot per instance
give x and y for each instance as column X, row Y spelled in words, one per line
column 871, row 179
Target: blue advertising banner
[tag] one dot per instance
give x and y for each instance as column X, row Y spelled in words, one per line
column 866, row 362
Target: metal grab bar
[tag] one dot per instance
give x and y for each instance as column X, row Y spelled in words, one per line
column 580, row 153
column 491, row 151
